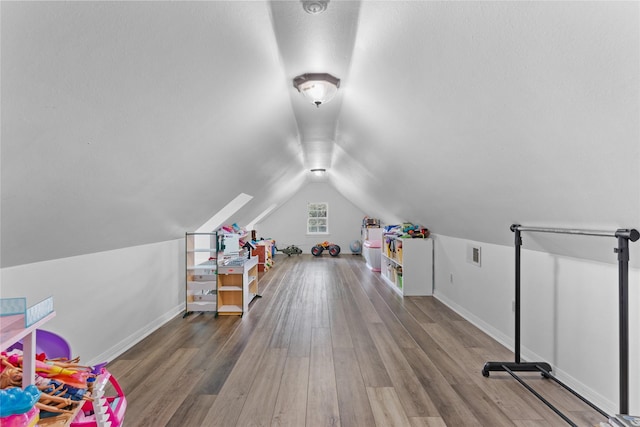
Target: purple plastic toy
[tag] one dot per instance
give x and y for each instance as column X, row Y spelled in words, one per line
column 49, row 343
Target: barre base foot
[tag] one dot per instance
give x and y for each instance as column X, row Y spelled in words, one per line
column 516, row 367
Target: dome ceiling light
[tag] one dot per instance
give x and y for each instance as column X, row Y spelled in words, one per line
column 319, row 88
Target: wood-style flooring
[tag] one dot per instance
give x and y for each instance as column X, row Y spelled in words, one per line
column 330, row 344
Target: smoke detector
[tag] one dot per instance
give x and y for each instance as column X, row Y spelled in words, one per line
column 314, row 7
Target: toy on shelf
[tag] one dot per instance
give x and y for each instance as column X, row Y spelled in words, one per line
column 104, row 410
column 290, row 250
column 39, row 382
column 48, row 342
column 407, row 230
column 18, row 406
column 62, row 383
column 333, row 249
column 19, row 317
column 27, row 419
column 370, row 222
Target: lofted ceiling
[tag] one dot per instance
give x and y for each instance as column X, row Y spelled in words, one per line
column 126, row 123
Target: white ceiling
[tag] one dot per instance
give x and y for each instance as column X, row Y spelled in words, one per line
column 125, row 123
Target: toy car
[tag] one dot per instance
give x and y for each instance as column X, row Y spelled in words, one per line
column 290, row 250
column 333, row 249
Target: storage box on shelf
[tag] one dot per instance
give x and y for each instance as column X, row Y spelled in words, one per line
column 201, row 275
column 371, row 253
column 371, row 233
column 237, row 286
column 264, row 252
column 407, row 265
column 371, row 243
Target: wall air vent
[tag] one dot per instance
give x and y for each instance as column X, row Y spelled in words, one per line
column 474, row 254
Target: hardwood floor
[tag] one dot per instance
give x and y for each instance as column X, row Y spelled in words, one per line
column 329, row 344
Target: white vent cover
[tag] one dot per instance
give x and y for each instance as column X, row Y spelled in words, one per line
column 474, row 254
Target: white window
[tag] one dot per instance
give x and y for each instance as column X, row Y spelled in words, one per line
column 317, row 218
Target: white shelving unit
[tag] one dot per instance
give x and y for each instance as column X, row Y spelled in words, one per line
column 237, row 286
column 407, row 265
column 201, row 272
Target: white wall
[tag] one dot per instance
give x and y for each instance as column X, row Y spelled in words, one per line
column 108, row 301
column 105, row 302
column 569, row 311
column 288, row 224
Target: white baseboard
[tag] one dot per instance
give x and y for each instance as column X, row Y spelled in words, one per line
column 138, row 336
column 494, row 333
column 585, row 391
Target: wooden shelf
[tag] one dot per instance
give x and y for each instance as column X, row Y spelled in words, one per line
column 230, row 308
column 230, row 288
column 237, row 286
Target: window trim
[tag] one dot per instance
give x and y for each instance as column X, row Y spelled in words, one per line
column 326, row 218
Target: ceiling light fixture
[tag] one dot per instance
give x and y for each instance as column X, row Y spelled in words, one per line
column 318, row 171
column 319, row 88
column 314, row 7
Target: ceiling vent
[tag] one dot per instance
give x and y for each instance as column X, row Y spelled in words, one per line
column 314, row 7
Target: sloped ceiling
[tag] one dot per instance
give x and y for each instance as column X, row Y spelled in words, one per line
column 126, row 123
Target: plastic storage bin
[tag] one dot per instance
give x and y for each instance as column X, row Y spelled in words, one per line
column 371, row 253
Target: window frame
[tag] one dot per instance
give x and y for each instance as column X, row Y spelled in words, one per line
column 310, row 218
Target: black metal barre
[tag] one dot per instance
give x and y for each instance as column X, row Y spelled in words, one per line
column 623, row 236
column 547, row 374
column 539, row 396
column 631, row 234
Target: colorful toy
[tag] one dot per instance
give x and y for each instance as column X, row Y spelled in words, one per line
column 355, row 247
column 407, row 230
column 66, row 371
column 27, row 419
column 15, row 401
column 61, row 383
column 290, row 250
column 333, row 249
column 48, row 342
column 110, row 408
